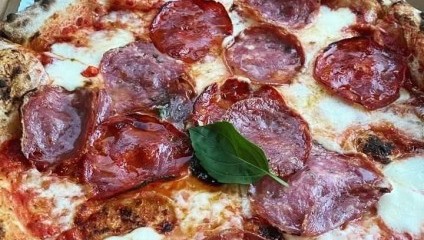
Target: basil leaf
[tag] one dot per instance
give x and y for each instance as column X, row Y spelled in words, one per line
column 229, row 157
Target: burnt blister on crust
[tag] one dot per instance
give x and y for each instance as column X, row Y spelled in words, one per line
column 20, row 72
column 269, row 232
column 422, row 21
column 20, row 27
column 377, row 149
column 200, row 173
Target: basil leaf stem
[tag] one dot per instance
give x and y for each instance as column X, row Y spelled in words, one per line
column 228, row 156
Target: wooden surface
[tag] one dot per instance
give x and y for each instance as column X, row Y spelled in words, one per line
column 8, row 6
column 417, row 3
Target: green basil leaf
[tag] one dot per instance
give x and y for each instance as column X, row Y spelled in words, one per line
column 229, row 157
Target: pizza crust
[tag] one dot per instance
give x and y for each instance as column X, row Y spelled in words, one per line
column 412, row 22
column 45, row 19
column 22, row 26
column 20, row 72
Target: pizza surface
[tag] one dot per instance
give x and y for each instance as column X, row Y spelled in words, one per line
column 97, row 97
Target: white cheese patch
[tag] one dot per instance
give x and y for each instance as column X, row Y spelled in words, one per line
column 239, row 24
column 403, row 209
column 327, row 28
column 64, row 195
column 98, row 43
column 66, row 73
column 144, row 233
column 199, row 210
column 208, row 71
column 70, row 61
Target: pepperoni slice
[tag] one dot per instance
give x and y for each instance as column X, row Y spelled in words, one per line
column 120, row 215
column 281, row 133
column 57, row 123
column 134, row 149
column 217, row 98
column 266, row 55
column 189, row 29
column 361, row 71
column 235, row 234
column 263, row 117
column 288, row 13
column 138, row 77
column 331, row 190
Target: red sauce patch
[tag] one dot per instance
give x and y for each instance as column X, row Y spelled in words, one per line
column 90, row 71
column 11, row 157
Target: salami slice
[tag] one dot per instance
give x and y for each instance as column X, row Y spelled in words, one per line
column 217, row 98
column 281, row 133
column 138, row 77
column 190, row 29
column 266, row 55
column 57, row 123
column 361, row 71
column 261, row 116
column 331, row 190
column 134, row 149
column 288, row 13
column 214, row 101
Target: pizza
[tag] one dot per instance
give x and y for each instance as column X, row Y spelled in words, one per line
column 99, row 101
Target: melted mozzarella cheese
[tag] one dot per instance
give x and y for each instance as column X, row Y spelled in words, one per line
column 67, row 73
column 403, row 208
column 326, row 28
column 208, row 71
column 98, row 43
column 198, row 210
column 70, row 61
column 144, row 233
column 63, row 195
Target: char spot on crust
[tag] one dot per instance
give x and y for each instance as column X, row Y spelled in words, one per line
column 2, row 230
column 422, row 21
column 270, row 232
column 377, row 148
column 11, row 17
column 19, row 73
